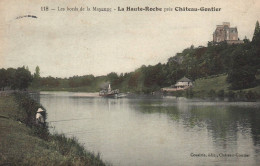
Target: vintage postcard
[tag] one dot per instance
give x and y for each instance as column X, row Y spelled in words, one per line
column 129, row 82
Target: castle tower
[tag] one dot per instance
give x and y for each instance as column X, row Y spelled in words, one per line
column 226, row 33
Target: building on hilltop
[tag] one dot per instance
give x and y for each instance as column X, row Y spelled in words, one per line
column 226, row 33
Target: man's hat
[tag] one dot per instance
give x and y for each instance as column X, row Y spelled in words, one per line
column 40, row 110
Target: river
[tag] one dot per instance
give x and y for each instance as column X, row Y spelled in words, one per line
column 158, row 131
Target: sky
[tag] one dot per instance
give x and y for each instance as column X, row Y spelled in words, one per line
column 67, row 43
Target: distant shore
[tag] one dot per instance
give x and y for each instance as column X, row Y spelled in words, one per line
column 211, row 87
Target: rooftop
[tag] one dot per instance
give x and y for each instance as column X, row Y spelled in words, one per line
column 184, row 79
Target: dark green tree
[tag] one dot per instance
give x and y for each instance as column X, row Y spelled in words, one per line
column 87, row 80
column 246, row 40
column 36, row 75
column 243, row 69
column 10, row 72
column 113, row 79
column 256, row 32
column 256, row 45
column 133, row 80
column 22, row 78
column 3, row 79
column 154, row 77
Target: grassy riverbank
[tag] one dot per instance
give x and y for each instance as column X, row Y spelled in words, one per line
column 24, row 143
column 217, row 87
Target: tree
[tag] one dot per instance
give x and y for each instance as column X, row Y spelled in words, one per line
column 22, row 78
column 246, row 40
column 36, row 77
column 112, row 78
column 10, row 72
column 242, row 78
column 243, row 69
column 3, row 79
column 86, row 80
column 256, row 45
column 37, row 73
column 133, row 80
column 154, row 77
column 54, row 82
column 256, row 32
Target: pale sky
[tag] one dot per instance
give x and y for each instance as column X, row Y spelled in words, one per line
column 66, row 43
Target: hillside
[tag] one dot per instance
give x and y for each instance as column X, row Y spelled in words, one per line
column 217, row 86
column 216, row 83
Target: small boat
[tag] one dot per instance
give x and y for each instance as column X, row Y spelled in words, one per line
column 121, row 95
column 109, row 92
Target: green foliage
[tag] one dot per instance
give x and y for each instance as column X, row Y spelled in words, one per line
column 212, row 93
column 37, row 72
column 22, row 78
column 36, row 77
column 114, row 79
column 19, row 78
column 29, row 106
column 3, row 79
column 204, row 85
column 256, row 32
column 221, row 93
column 49, row 82
column 10, row 72
column 244, row 67
column 231, row 94
column 154, row 77
column 246, row 40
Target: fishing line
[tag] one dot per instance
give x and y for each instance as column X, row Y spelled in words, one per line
column 68, row 120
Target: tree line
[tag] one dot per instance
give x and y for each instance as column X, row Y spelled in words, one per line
column 15, row 79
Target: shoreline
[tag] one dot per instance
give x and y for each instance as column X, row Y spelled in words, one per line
column 210, row 87
column 228, row 96
column 25, row 143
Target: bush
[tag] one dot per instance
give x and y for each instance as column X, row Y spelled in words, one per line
column 212, row 93
column 221, row 93
column 251, row 95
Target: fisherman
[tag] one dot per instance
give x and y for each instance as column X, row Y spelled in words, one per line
column 40, row 117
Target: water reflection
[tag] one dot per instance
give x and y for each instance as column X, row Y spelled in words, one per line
column 158, row 131
column 224, row 121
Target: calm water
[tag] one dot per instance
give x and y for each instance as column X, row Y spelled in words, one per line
column 153, row 132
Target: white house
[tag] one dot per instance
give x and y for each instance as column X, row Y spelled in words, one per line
column 183, row 83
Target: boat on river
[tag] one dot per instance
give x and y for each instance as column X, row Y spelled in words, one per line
column 108, row 92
